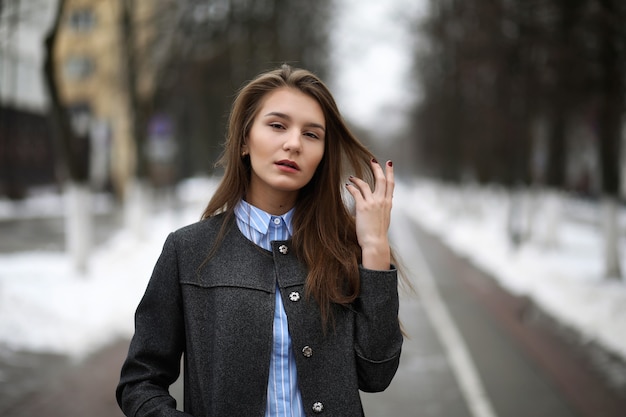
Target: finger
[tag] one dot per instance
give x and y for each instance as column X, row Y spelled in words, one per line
column 391, row 182
column 362, row 186
column 355, row 192
column 380, row 188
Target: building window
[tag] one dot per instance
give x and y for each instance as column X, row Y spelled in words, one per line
column 78, row 67
column 82, row 20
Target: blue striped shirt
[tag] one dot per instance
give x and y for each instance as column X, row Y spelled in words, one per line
column 283, row 396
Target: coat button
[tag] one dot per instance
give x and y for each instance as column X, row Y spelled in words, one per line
column 307, row 351
column 294, row 296
column 283, row 249
column 318, row 407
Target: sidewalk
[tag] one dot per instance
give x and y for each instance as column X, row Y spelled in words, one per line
column 82, row 389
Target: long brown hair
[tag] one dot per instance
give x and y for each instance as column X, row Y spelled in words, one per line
column 324, row 233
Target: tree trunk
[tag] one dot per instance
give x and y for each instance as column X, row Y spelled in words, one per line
column 78, row 224
column 72, row 159
column 610, row 126
column 552, row 214
column 136, row 207
column 62, row 126
column 610, row 224
column 136, row 199
column 129, row 51
column 555, row 175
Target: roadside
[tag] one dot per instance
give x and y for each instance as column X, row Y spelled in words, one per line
column 48, row 233
column 67, row 388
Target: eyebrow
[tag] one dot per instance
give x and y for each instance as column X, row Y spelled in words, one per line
column 287, row 117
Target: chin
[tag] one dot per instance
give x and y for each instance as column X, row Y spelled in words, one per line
column 289, row 186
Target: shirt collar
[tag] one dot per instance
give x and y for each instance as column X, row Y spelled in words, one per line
column 258, row 219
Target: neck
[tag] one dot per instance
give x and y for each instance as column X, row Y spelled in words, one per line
column 275, row 203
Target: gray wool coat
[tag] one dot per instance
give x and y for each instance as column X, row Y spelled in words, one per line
column 219, row 315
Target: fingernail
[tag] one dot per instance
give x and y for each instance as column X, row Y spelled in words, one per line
column 390, row 163
column 351, row 176
column 374, row 160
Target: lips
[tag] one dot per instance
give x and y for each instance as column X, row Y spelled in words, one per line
column 289, row 164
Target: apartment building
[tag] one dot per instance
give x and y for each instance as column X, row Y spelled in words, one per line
column 91, row 62
column 93, row 81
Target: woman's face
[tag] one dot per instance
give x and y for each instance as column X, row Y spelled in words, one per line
column 285, row 144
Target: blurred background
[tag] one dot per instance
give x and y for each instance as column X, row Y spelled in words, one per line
column 113, row 113
column 104, row 93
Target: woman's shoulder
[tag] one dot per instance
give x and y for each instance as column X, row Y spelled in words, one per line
column 201, row 230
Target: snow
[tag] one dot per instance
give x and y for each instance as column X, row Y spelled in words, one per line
column 562, row 273
column 45, row 306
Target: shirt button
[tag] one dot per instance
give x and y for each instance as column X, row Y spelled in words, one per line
column 283, row 249
column 276, row 221
column 294, row 296
column 318, row 407
column 307, row 351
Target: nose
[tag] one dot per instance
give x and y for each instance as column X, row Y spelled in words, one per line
column 293, row 142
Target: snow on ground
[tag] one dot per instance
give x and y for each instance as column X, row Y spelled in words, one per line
column 45, row 306
column 560, row 267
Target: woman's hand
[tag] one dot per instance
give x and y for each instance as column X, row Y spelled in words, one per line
column 373, row 215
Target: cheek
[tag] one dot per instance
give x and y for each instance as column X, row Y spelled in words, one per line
column 257, row 149
column 317, row 159
column 316, row 162
column 320, row 151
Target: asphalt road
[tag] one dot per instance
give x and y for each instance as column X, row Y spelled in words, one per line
column 523, row 363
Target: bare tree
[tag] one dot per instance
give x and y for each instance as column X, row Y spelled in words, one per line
column 612, row 59
column 493, row 69
column 197, row 53
column 220, row 45
column 477, row 77
column 73, row 155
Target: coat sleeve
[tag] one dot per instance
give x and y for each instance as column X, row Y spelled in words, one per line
column 153, row 361
column 378, row 336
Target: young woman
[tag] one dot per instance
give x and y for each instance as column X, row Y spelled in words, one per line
column 283, row 301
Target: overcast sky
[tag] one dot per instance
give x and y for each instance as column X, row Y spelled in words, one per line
column 371, row 60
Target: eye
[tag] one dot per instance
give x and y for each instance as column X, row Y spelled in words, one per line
column 312, row 135
column 276, row 125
